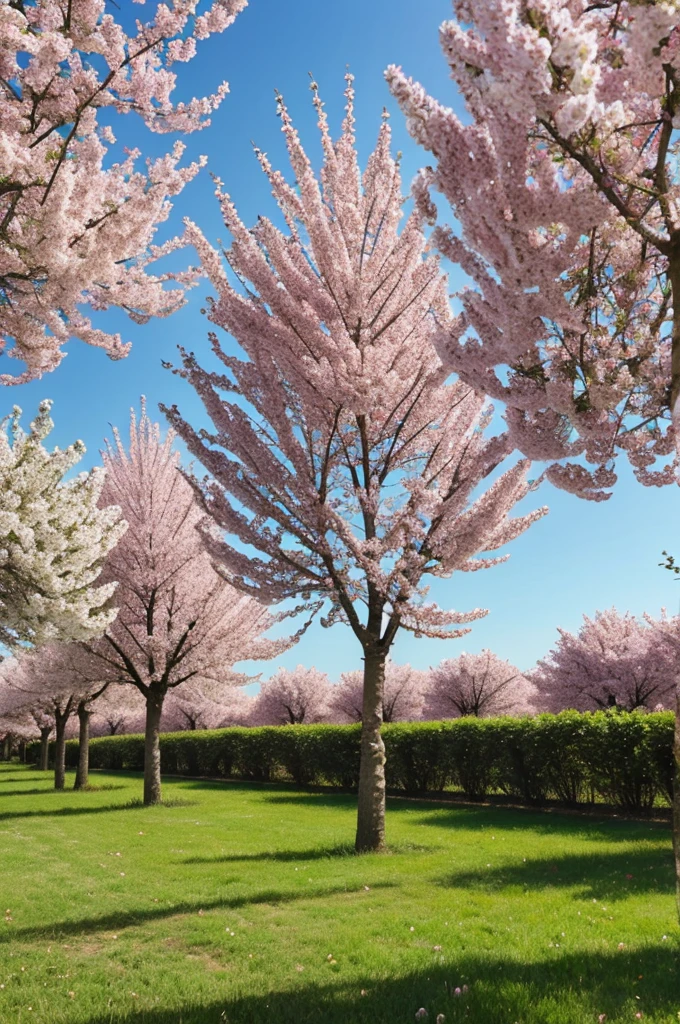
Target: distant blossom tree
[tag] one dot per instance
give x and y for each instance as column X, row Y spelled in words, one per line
column 54, row 536
column 179, row 621
column 209, row 704
column 74, row 231
column 339, row 452
column 293, row 697
column 613, row 661
column 45, row 684
column 482, row 685
column 402, row 699
column 120, row 709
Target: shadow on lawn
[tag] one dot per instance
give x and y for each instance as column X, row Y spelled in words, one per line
column 33, row 777
column 129, row 918
column 608, row 875
column 571, row 987
column 319, row 853
column 131, row 805
column 521, row 819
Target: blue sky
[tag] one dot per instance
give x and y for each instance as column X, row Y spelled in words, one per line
column 582, row 556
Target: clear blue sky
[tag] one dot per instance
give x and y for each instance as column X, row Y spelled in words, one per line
column 581, row 557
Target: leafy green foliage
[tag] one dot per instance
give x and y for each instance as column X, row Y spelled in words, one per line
column 620, row 758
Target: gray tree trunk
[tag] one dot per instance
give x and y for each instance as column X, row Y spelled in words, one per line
column 371, row 804
column 60, row 751
column 83, row 769
column 152, row 749
column 45, row 747
column 7, row 748
column 676, row 796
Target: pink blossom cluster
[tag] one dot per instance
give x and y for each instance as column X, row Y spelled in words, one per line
column 563, row 182
column 75, row 228
column 614, row 660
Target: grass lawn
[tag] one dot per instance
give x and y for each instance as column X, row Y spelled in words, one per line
column 226, row 904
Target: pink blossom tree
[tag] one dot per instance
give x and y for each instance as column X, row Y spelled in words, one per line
column 46, row 684
column 482, row 685
column 341, row 457
column 120, row 709
column 564, row 184
column 613, row 660
column 402, row 698
column 179, row 620
column 293, row 697
column 564, row 189
column 209, row 704
column 74, row 228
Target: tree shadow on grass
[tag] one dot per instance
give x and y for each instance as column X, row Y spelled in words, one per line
column 130, row 918
column 25, row 777
column 50, row 790
column 520, row 819
column 284, row 856
column 60, row 812
column 570, row 987
column 594, row 876
column 313, row 799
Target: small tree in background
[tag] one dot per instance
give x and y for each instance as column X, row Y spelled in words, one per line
column 179, row 621
column 402, row 699
column 54, row 536
column 293, row 697
column 340, row 457
column 73, row 231
column 613, row 661
column 207, row 704
column 45, row 685
column 120, row 709
column 481, row 684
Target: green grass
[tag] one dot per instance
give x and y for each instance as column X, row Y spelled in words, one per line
column 225, row 904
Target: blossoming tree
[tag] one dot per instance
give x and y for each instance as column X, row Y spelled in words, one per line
column 402, row 697
column 481, row 684
column 613, row 661
column 565, row 192
column 54, row 536
column 293, row 697
column 179, row 620
column 564, row 183
column 74, row 228
column 340, row 455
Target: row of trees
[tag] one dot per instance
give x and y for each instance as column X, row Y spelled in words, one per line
column 614, row 661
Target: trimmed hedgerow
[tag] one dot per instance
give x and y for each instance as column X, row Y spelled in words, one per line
column 621, row 758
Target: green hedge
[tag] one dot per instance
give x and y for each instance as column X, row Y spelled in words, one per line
column 620, row 758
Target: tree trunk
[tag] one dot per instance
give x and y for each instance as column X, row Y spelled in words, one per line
column 83, row 769
column 676, row 796
column 7, row 748
column 22, row 751
column 152, row 749
column 674, row 278
column 45, row 747
column 371, row 806
column 60, row 750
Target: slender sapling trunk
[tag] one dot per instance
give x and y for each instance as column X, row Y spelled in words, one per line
column 371, row 804
column 61, row 719
column 45, row 747
column 152, row 749
column 83, row 769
